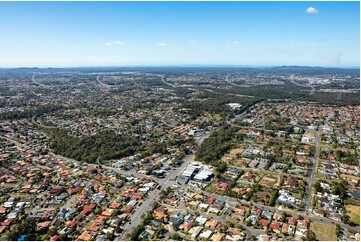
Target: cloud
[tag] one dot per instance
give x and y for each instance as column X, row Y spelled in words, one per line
column 236, row 42
column 118, row 42
column 79, row 46
column 192, row 40
column 311, row 10
column 162, row 44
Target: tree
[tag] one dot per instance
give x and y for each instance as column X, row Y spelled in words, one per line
column 52, row 231
column 63, row 237
column 109, row 236
column 340, row 189
column 135, row 233
column 345, row 218
column 31, row 237
column 175, row 236
column 338, row 229
column 273, row 198
column 318, row 187
column 310, row 236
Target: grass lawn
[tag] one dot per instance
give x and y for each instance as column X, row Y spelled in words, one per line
column 297, row 195
column 232, row 220
column 319, row 176
column 324, row 232
column 42, row 237
column 217, row 117
column 236, row 151
column 354, row 213
column 210, row 188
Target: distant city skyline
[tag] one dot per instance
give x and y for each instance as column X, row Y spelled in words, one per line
column 76, row 34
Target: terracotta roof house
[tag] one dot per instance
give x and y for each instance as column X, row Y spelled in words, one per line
column 71, row 224
column 209, row 200
column 43, row 225
column 217, row 237
column 127, row 209
column 276, row 226
column 291, row 220
column 221, row 186
column 186, row 226
column 303, row 223
column 264, row 223
column 94, row 227
column 211, row 223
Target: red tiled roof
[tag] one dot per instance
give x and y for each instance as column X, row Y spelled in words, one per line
column 291, row 220
column 275, row 225
column 263, row 222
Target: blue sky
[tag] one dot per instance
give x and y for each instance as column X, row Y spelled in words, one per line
column 179, row 33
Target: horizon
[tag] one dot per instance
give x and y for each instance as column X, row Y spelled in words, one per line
column 183, row 66
column 94, row 34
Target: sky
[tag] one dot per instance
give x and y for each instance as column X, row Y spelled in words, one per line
column 64, row 34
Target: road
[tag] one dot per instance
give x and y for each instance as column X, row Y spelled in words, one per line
column 232, row 202
column 123, row 172
column 233, row 84
column 223, row 218
column 303, row 85
column 76, row 163
column 104, row 84
column 154, row 195
column 311, row 178
column 167, row 182
column 33, row 80
column 41, row 125
column 231, row 121
column 167, row 83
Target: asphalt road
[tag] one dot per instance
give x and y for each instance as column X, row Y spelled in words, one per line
column 234, row 201
column 33, row 80
column 233, row 84
column 303, row 85
column 153, row 196
column 167, row 83
column 310, row 180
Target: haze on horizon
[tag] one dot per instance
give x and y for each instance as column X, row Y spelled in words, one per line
column 66, row 34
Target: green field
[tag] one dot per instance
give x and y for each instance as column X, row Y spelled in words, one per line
column 354, row 213
column 324, row 232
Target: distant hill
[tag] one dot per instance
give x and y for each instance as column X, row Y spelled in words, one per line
column 190, row 68
column 314, row 68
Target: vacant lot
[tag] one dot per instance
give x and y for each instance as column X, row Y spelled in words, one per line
column 324, row 232
column 236, row 151
column 354, row 213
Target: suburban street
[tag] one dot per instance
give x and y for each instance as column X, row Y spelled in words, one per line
column 311, row 179
column 154, row 195
column 234, row 201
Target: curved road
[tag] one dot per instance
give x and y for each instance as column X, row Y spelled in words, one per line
column 167, row 83
column 303, row 85
column 233, row 84
column 40, row 84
